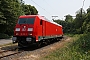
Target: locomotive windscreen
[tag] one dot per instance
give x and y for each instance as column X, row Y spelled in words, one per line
column 26, row 20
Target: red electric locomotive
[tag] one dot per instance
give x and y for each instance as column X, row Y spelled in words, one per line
column 34, row 28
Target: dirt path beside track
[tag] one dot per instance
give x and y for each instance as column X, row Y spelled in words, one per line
column 5, row 41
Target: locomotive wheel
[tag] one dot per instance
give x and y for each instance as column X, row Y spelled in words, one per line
column 38, row 44
column 20, row 45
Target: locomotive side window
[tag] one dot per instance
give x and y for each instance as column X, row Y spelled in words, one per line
column 40, row 22
column 26, row 21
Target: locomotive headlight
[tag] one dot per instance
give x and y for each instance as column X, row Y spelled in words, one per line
column 30, row 29
column 17, row 29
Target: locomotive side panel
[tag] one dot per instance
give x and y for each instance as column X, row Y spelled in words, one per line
column 51, row 30
column 59, row 30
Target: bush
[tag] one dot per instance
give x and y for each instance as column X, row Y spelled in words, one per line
column 4, row 36
column 79, row 49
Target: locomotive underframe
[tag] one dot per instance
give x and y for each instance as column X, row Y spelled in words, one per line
column 27, row 41
column 24, row 41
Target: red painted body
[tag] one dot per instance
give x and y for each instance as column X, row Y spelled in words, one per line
column 40, row 28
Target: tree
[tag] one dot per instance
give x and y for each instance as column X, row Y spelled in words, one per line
column 78, row 22
column 69, row 18
column 30, row 10
column 88, row 10
column 86, row 23
column 33, row 11
column 10, row 10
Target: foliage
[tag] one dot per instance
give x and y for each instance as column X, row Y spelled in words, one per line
column 11, row 10
column 5, row 36
column 30, row 10
column 88, row 10
column 78, row 50
column 86, row 23
column 69, row 18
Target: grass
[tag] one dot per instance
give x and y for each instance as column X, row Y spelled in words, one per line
column 79, row 49
column 6, row 44
column 9, row 44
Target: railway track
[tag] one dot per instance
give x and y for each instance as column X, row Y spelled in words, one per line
column 9, row 52
column 6, row 55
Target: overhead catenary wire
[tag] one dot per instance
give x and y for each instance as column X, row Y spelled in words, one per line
column 54, row 16
column 48, row 4
column 41, row 7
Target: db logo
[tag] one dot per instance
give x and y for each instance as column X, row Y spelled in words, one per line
column 24, row 28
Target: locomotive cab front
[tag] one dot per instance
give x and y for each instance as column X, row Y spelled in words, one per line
column 24, row 30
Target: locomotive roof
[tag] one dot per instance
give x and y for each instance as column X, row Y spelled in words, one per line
column 41, row 17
